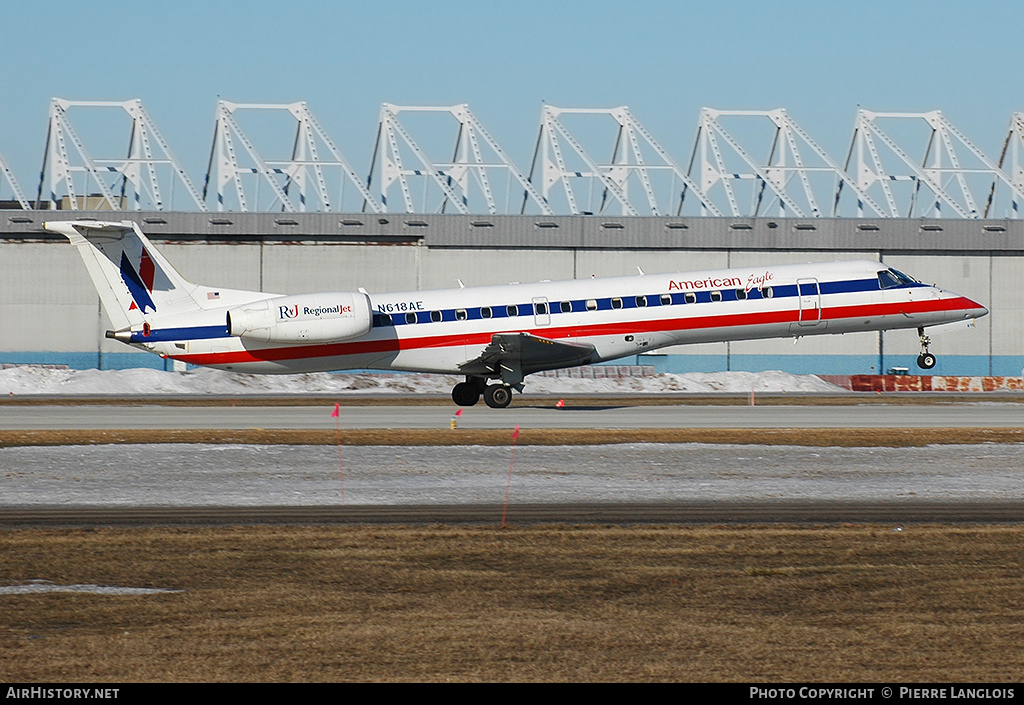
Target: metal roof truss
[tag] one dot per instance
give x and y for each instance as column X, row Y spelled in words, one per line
column 949, row 176
column 132, row 181
column 638, row 163
column 296, row 184
column 797, row 178
column 19, row 196
column 464, row 184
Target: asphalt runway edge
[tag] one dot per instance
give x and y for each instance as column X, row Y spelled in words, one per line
column 895, row 514
column 816, row 437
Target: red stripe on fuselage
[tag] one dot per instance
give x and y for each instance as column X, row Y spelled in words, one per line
column 303, row 352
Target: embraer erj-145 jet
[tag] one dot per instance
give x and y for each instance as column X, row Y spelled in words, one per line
column 496, row 334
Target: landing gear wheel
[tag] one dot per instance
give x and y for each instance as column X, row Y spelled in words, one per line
column 465, row 394
column 925, row 360
column 498, row 396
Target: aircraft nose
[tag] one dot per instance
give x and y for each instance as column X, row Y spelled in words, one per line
column 976, row 310
column 965, row 304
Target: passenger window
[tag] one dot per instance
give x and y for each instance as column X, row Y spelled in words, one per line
column 566, row 306
column 616, row 303
column 542, row 308
column 691, row 298
column 512, row 310
column 485, row 312
column 460, row 314
column 767, row 292
column 410, row 318
column 591, row 304
column 641, row 301
column 385, row 319
column 716, row 296
column 666, row 299
column 741, row 294
column 435, row 316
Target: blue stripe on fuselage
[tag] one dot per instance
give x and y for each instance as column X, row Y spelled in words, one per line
column 170, row 335
column 781, row 291
column 165, row 335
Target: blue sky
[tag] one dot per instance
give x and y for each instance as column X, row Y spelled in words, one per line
column 665, row 60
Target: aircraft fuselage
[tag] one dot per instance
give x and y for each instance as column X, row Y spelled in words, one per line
column 440, row 330
column 502, row 332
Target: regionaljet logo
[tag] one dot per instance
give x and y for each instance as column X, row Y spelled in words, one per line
column 339, row 310
column 288, row 312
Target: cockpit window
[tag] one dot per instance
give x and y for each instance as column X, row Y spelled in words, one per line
column 904, row 279
column 887, row 280
column 890, row 278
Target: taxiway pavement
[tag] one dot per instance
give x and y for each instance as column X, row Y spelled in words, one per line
column 605, row 415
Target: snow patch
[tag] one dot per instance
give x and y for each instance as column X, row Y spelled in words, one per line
column 34, row 587
column 28, row 380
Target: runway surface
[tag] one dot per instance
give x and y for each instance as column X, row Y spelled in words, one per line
column 605, row 415
column 630, row 482
column 187, row 484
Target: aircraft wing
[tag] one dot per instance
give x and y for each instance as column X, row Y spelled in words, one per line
column 513, row 355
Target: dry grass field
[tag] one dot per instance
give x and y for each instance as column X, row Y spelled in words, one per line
column 820, row 437
column 549, row 603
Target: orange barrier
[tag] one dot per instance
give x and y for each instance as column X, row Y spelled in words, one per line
column 922, row 383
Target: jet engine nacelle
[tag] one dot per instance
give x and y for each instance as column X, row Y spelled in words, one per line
column 303, row 318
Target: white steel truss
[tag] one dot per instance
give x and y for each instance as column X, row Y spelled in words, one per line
column 19, row 196
column 131, row 182
column 1013, row 151
column 797, row 179
column 948, row 177
column 465, row 183
column 636, row 158
column 743, row 164
column 293, row 182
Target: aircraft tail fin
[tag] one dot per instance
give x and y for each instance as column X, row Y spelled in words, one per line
column 133, row 279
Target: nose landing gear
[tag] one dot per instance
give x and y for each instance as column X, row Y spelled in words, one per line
column 925, row 360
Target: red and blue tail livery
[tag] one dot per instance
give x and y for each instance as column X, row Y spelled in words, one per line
column 139, row 283
column 493, row 335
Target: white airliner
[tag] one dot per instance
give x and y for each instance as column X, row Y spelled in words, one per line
column 500, row 333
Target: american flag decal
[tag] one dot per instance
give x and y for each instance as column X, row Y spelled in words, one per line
column 211, row 295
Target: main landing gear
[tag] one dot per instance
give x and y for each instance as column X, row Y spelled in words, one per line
column 496, row 396
column 925, row 360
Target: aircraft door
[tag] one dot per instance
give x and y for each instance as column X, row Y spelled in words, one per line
column 541, row 311
column 809, row 296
